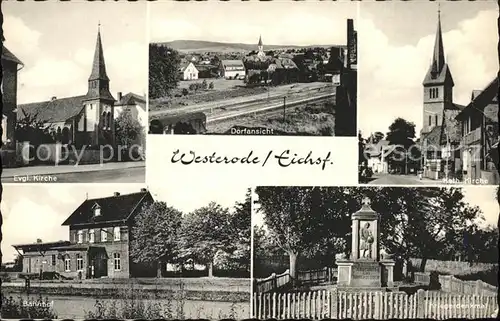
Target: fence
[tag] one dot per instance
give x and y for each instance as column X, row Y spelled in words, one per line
column 276, row 281
column 326, row 274
column 449, row 283
column 453, row 267
column 272, row 282
column 371, row 305
column 422, row 278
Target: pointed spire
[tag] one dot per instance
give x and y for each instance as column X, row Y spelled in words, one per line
column 260, row 40
column 98, row 66
column 438, row 61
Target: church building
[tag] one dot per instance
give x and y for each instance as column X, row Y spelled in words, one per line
column 440, row 134
column 80, row 120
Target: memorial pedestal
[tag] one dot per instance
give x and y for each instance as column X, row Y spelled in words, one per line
column 366, row 274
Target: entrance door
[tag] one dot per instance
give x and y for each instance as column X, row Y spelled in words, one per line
column 100, row 265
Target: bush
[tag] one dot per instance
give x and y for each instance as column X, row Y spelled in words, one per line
column 36, row 309
column 130, row 306
column 204, row 84
column 185, row 91
column 211, row 86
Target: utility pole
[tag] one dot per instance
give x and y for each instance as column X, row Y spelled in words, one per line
column 284, row 108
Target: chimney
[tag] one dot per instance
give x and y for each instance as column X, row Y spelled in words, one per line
column 116, row 194
column 119, row 96
column 144, row 190
column 53, row 98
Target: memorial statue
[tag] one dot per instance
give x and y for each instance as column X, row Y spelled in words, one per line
column 366, row 241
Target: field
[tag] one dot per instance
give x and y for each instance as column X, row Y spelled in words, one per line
column 315, row 118
column 223, row 89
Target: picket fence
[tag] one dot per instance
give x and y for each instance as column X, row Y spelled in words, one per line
column 449, row 283
column 276, row 281
column 335, row 304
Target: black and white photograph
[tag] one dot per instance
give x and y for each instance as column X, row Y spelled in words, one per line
column 236, row 71
column 375, row 252
column 114, row 251
column 74, row 92
column 429, row 93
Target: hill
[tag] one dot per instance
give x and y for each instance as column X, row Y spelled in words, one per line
column 212, row 46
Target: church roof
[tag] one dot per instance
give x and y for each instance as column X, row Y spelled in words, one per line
column 131, row 99
column 9, row 56
column 113, row 208
column 51, row 111
column 439, row 71
column 98, row 65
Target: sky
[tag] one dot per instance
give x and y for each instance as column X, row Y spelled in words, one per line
column 56, row 43
column 482, row 196
column 279, row 23
column 395, row 44
column 30, row 212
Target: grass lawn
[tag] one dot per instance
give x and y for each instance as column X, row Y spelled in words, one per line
column 313, row 119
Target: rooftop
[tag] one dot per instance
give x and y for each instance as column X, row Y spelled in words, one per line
column 113, row 208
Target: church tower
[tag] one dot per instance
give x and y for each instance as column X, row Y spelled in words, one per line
column 261, row 48
column 438, row 85
column 99, row 103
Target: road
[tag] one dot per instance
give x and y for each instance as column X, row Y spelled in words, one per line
column 118, row 175
column 389, row 179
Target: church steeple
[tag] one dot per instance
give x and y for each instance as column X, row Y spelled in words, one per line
column 98, row 66
column 98, row 86
column 261, row 53
column 439, row 71
column 438, row 56
column 437, row 85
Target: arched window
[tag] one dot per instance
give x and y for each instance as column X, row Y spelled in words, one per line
column 109, row 119
column 430, row 120
column 436, row 118
column 103, row 120
column 58, row 134
column 65, row 135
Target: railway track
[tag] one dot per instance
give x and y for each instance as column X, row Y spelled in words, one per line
column 223, row 106
column 264, row 107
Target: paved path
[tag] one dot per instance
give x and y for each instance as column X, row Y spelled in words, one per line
column 126, row 172
column 390, row 179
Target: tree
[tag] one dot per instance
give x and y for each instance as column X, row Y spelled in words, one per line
column 401, row 133
column 240, row 231
column 414, row 222
column 204, row 84
column 376, row 137
column 205, row 232
column 30, row 128
column 128, row 130
column 164, row 64
column 211, row 85
column 155, row 235
column 299, row 217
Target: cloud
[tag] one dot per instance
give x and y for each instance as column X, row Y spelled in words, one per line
column 390, row 76
column 44, row 223
column 20, row 36
column 225, row 24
